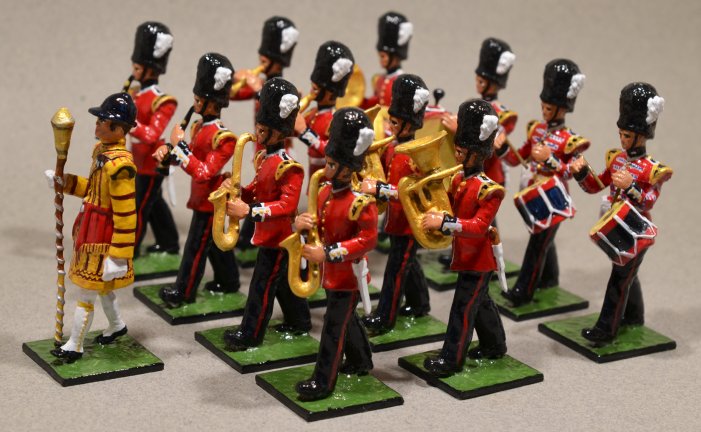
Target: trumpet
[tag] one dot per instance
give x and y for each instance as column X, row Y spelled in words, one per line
column 293, row 245
column 426, row 192
column 238, row 85
column 226, row 237
column 305, row 101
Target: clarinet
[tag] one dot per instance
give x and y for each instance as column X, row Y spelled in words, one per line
column 164, row 167
column 127, row 83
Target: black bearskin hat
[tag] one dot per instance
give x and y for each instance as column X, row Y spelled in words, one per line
column 409, row 99
column 350, row 136
column 639, row 108
column 496, row 60
column 278, row 40
column 562, row 82
column 279, row 105
column 393, row 34
column 477, row 127
column 152, row 45
column 333, row 67
column 214, row 78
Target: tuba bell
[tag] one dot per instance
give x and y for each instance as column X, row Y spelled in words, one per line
column 226, row 237
column 426, row 192
column 293, row 245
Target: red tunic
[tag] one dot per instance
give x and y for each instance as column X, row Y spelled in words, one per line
column 212, row 146
column 318, row 121
column 563, row 143
column 648, row 176
column 273, row 195
column 476, row 200
column 397, row 166
column 382, row 89
column 507, row 121
column 347, row 224
column 154, row 109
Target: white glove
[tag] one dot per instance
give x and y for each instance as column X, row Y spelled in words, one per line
column 50, row 174
column 114, row 268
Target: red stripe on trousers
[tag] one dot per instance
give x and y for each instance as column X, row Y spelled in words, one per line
column 398, row 281
column 266, row 294
column 198, row 257
column 465, row 320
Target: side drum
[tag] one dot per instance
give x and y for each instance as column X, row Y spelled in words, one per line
column 544, row 204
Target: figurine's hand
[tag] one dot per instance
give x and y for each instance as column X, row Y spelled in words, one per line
column 237, row 208
column 114, row 268
column 450, row 121
column 369, row 186
column 540, row 152
column 578, row 164
column 254, row 82
column 226, row 184
column 304, row 221
column 499, row 140
column 50, row 176
column 432, row 221
column 313, row 253
column 300, row 124
column 182, row 153
column 160, row 153
column 177, row 135
column 622, row 179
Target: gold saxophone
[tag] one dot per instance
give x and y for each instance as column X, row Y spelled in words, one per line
column 226, row 238
column 293, row 244
column 238, row 85
column 426, row 192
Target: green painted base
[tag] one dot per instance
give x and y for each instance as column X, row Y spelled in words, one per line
column 546, row 302
column 125, row 357
column 442, row 279
column 208, row 305
column 353, row 394
column 246, row 258
column 409, row 331
column 277, row 350
column 319, row 297
column 632, row 341
column 478, row 377
column 156, row 265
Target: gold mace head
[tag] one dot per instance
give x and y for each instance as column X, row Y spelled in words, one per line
column 62, row 123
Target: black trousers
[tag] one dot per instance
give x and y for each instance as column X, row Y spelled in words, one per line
column 198, row 247
column 403, row 276
column 472, row 308
column 268, row 283
column 540, row 254
column 246, row 233
column 342, row 334
column 624, row 298
column 153, row 210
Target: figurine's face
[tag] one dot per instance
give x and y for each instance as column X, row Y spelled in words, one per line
column 104, row 132
column 267, row 136
column 481, row 85
column 384, row 59
column 270, row 68
column 551, row 112
column 460, row 154
column 628, row 139
column 315, row 91
column 137, row 71
column 332, row 169
column 399, row 127
column 198, row 104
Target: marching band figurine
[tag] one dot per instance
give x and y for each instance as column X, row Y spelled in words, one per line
column 347, row 224
column 476, row 199
column 212, row 145
column 332, row 70
column 154, row 109
column 271, row 201
column 403, row 273
column 394, row 32
column 635, row 181
column 549, row 147
column 104, row 231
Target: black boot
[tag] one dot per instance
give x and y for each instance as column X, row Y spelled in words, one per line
column 311, row 390
column 492, row 353
column 414, row 311
column 172, row 297
column 375, row 324
column 597, row 336
column 67, row 356
column 516, row 296
column 104, row 340
column 439, row 367
column 236, row 341
column 215, row 287
column 289, row 328
column 348, row 368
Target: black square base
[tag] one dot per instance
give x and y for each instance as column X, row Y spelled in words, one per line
column 409, row 331
column 545, row 302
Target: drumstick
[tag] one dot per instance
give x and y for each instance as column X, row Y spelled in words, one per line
column 518, row 155
column 596, row 177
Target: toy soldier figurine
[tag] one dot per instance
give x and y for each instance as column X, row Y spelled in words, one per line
column 271, row 201
column 550, row 146
column 476, row 199
column 403, row 274
column 152, row 46
column 347, row 224
column 394, row 32
column 637, row 179
column 211, row 147
column 332, row 70
column 104, row 231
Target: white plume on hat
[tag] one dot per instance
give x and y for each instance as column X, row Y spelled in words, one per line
column 365, row 138
column 288, row 103
column 420, row 99
column 288, row 39
column 506, row 60
column 406, row 30
column 490, row 123
column 655, row 106
column 164, row 42
column 221, row 77
column 576, row 84
column 341, row 68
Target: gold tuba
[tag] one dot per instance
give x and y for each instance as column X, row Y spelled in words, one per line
column 226, row 238
column 293, row 245
column 426, row 192
column 238, row 85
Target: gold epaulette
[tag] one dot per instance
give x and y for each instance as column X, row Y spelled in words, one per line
column 195, row 127
column 576, row 143
column 659, row 172
column 488, row 187
column 506, row 117
column 258, row 159
column 160, row 100
column 531, row 127
column 452, row 178
column 611, row 155
column 222, row 135
column 361, row 201
column 285, row 165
